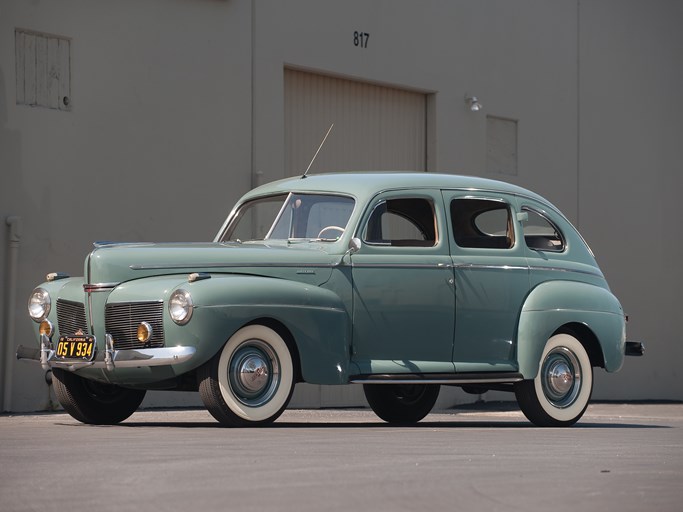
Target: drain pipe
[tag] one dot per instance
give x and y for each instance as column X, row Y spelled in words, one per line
column 14, row 224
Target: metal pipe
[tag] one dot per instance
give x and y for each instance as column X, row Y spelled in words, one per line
column 14, row 241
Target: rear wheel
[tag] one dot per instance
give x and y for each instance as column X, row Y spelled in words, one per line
column 94, row 402
column 251, row 380
column 560, row 393
column 401, row 403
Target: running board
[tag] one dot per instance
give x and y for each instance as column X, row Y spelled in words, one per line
column 438, row 378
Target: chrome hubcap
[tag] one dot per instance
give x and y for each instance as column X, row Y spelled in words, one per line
column 561, row 377
column 254, row 373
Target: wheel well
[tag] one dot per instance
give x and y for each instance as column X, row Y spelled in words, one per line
column 588, row 339
column 286, row 335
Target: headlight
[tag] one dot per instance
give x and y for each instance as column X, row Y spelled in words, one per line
column 180, row 306
column 39, row 304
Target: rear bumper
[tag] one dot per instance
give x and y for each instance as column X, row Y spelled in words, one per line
column 109, row 359
column 634, row 348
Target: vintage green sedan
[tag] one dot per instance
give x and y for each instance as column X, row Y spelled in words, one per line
column 402, row 282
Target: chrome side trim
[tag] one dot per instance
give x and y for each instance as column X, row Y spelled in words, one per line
column 475, row 266
column 571, row 270
column 111, row 358
column 402, row 265
column 231, row 265
column 306, row 307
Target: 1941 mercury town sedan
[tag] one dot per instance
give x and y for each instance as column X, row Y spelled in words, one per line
column 402, row 282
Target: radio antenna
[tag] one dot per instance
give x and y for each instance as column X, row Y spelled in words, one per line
column 316, row 153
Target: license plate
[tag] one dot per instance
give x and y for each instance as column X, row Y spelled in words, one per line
column 76, row 347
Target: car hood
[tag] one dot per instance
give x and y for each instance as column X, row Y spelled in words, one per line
column 111, row 264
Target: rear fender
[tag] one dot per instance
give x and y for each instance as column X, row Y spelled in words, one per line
column 554, row 304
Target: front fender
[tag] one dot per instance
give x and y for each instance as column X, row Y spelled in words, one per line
column 316, row 318
column 553, row 304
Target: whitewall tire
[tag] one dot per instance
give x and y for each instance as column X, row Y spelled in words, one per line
column 559, row 394
column 251, row 380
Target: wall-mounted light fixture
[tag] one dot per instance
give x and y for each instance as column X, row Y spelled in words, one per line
column 473, row 103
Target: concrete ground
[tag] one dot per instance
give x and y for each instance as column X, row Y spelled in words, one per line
column 619, row 457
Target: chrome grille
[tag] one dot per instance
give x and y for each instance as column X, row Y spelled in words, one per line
column 121, row 320
column 71, row 317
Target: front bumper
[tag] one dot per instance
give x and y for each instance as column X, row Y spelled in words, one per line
column 109, row 359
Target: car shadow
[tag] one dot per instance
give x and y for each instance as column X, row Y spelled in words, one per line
column 349, row 425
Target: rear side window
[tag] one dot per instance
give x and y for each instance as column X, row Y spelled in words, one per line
column 541, row 234
column 403, row 222
column 482, row 223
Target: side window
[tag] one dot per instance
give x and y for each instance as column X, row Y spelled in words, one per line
column 404, row 222
column 540, row 234
column 482, row 223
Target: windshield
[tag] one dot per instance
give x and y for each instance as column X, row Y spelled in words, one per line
column 291, row 216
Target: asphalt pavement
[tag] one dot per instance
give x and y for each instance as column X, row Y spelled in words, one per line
column 619, row 457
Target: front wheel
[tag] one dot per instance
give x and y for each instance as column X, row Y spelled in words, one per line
column 401, row 403
column 560, row 393
column 251, row 380
column 94, row 402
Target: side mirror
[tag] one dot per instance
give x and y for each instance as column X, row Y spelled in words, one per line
column 354, row 246
column 522, row 216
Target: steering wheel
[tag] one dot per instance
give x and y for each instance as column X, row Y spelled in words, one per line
column 331, row 228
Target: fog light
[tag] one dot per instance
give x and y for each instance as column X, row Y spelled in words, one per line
column 144, row 332
column 46, row 328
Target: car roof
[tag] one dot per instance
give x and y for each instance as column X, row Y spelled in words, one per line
column 363, row 185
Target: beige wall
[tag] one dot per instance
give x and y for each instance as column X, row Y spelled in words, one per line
column 177, row 103
column 156, row 145
column 631, row 178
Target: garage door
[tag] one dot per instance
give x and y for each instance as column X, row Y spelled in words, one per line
column 375, row 127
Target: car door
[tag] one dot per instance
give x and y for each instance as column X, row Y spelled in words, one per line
column 491, row 278
column 403, row 300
